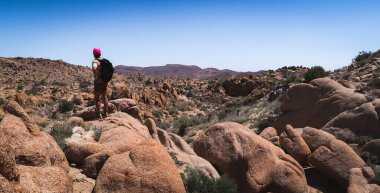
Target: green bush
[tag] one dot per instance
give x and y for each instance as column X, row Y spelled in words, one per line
column 60, row 132
column 65, row 106
column 362, row 57
column 314, row 73
column 266, row 122
column 157, row 113
column 198, row 183
column 85, row 84
column 90, row 103
column 185, row 122
column 43, row 124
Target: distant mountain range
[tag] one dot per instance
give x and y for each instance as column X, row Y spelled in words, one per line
column 178, row 70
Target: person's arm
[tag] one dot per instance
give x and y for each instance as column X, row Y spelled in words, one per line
column 94, row 68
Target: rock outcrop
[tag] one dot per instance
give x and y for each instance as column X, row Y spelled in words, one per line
column 239, row 88
column 271, row 135
column 363, row 120
column 373, row 147
column 316, row 103
column 292, row 142
column 31, row 160
column 145, row 168
column 332, row 157
column 184, row 156
column 255, row 163
column 125, row 158
column 361, row 181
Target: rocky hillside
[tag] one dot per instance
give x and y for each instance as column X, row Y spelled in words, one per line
column 24, row 72
column 177, row 70
column 270, row 131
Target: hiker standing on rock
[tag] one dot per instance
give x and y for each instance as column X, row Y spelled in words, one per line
column 103, row 71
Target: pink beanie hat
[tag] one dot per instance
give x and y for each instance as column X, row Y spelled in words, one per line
column 97, row 52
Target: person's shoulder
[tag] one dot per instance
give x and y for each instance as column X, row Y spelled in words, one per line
column 96, row 60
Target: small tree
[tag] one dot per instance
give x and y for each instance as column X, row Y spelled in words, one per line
column 362, row 57
column 314, row 73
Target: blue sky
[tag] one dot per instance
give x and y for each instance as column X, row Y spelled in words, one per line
column 242, row 35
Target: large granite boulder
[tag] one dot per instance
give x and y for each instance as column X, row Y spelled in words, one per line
column 255, row 163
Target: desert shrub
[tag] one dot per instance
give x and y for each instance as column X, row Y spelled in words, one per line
column 20, row 87
column 195, row 182
column 148, row 81
column 2, row 101
column 189, row 94
column 97, row 135
column 157, row 113
column 373, row 162
column 173, row 110
column 162, row 124
column 90, row 103
column 42, row 124
column 266, row 122
column 222, row 115
column 374, row 83
column 228, row 111
column 314, row 73
column 65, row 106
column 185, row 122
column 293, row 79
column 35, row 90
column 362, row 57
column 60, row 132
column 77, row 101
column 363, row 140
column 85, row 84
column 183, row 107
column 41, row 83
column 174, row 157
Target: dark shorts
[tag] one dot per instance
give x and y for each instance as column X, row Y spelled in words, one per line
column 100, row 87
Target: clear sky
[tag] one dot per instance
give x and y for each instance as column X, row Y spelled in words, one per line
column 242, row 35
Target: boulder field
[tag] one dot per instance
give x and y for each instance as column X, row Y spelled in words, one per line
column 126, row 153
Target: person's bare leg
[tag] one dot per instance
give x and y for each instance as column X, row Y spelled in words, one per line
column 105, row 107
column 98, row 105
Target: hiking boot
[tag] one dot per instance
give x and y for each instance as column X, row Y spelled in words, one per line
column 99, row 116
column 105, row 115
